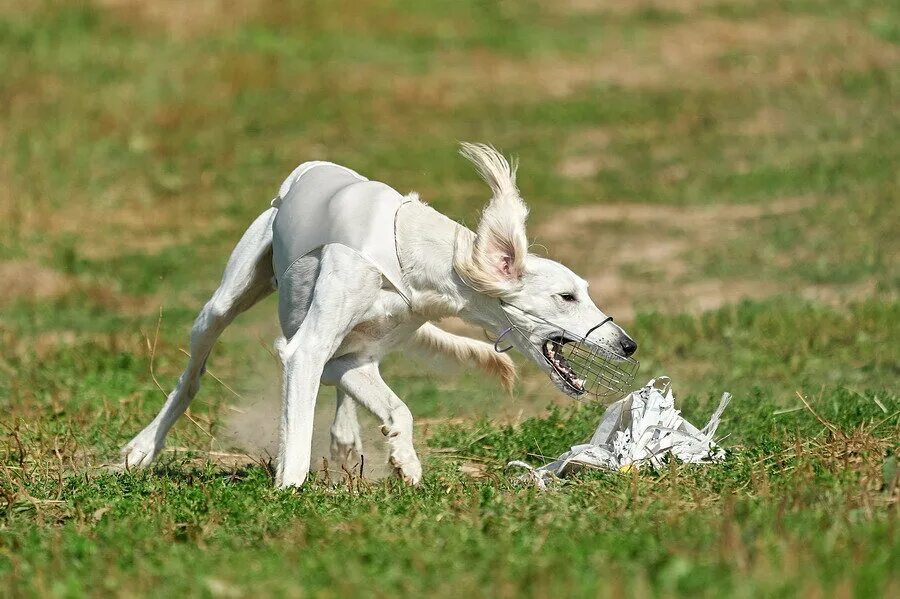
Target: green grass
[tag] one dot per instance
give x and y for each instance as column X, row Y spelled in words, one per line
column 136, row 144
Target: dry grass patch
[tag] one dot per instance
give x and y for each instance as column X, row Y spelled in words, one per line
column 182, row 18
column 28, row 281
column 47, row 345
column 192, row 18
column 862, row 449
column 126, row 219
column 774, row 50
column 705, row 53
column 619, row 8
column 716, row 53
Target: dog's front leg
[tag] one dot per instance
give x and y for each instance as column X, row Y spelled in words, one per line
column 298, row 405
column 344, row 291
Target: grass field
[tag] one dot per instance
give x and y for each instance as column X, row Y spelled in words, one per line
column 725, row 172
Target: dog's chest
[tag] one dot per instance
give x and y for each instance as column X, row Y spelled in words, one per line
column 389, row 323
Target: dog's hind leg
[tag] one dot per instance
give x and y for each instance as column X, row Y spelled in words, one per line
column 346, row 440
column 247, row 279
column 361, row 378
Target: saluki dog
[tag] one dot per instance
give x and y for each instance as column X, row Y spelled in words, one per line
column 361, row 271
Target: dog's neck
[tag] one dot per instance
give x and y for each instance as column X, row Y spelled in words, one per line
column 425, row 245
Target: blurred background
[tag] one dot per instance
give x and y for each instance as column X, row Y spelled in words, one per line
column 684, row 156
column 724, row 172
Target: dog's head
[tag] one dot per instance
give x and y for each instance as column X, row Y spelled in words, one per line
column 541, row 299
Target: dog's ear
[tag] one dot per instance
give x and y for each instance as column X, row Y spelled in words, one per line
column 494, row 262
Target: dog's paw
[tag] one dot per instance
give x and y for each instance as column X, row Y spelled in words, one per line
column 137, row 454
column 345, row 457
column 291, row 478
column 406, row 466
column 346, row 448
column 294, row 483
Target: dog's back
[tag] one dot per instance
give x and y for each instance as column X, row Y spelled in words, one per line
column 323, row 203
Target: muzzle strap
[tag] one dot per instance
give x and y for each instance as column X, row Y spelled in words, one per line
column 594, row 328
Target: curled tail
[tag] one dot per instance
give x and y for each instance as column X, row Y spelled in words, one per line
column 467, row 351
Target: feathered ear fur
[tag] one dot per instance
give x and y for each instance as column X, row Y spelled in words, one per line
column 494, row 261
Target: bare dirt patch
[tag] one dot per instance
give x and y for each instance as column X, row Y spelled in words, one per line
column 585, row 153
column 768, row 120
column 650, row 214
column 24, row 279
column 635, row 255
column 254, row 431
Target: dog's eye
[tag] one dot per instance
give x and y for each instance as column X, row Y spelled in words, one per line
column 567, row 297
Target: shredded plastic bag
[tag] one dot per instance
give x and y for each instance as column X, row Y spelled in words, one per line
column 643, row 428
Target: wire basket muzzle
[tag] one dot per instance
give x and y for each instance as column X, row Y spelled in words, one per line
column 588, row 369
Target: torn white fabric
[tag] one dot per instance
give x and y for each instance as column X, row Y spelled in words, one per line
column 322, row 203
column 641, row 429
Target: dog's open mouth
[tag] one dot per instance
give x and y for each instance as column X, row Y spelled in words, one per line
column 582, row 368
column 553, row 351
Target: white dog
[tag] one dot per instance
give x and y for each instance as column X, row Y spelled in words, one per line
column 360, row 270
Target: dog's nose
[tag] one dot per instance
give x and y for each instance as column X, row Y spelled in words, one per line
column 628, row 346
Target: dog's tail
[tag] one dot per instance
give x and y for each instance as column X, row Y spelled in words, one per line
column 466, row 351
